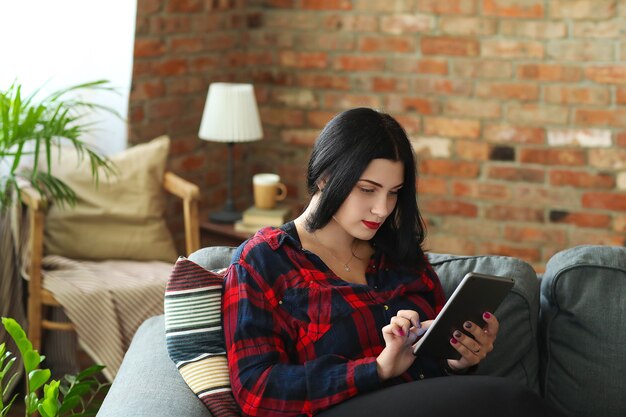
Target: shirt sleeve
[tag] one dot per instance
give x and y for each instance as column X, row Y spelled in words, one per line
column 263, row 379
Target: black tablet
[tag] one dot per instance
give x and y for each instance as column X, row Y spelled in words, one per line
column 475, row 294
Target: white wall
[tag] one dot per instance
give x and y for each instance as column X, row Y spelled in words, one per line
column 66, row 42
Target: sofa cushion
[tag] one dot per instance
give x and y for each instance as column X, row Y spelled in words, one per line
column 515, row 353
column 194, row 335
column 583, row 349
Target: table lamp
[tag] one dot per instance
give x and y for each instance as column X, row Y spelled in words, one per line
column 230, row 115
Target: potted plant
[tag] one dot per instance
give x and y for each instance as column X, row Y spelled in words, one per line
column 30, row 130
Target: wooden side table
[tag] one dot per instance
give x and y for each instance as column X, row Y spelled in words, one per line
column 217, row 234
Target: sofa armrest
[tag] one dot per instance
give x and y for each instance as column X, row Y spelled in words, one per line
column 148, row 383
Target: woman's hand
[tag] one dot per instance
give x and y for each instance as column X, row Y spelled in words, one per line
column 474, row 350
column 400, row 335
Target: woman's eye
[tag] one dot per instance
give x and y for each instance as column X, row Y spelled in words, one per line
column 394, row 193
column 367, row 190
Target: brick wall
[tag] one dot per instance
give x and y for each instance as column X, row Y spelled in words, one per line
column 513, row 106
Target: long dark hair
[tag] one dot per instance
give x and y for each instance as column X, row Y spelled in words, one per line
column 342, row 151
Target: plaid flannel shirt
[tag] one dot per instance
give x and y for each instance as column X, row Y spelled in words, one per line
column 299, row 339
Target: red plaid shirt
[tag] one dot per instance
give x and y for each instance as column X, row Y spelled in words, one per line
column 299, row 339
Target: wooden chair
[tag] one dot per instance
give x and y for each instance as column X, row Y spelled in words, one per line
column 39, row 298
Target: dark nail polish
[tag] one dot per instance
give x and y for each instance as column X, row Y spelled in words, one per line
column 457, row 333
column 453, row 341
column 467, row 325
column 486, row 315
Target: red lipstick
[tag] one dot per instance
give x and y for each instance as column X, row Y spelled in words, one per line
column 371, row 225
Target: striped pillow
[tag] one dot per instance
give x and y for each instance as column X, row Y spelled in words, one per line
column 194, row 336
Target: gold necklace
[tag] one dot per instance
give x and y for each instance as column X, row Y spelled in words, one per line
column 346, row 265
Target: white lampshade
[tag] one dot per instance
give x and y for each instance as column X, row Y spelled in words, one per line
column 230, row 114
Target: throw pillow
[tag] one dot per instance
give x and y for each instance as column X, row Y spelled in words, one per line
column 194, row 335
column 121, row 217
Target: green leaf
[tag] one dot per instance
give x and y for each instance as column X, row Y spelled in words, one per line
column 31, row 360
column 69, row 403
column 37, row 378
column 7, row 367
column 32, row 402
column 92, row 370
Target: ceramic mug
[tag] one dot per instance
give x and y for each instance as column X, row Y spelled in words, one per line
column 268, row 190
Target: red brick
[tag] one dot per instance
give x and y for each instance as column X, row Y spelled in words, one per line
column 432, row 185
column 174, row 66
column 471, row 150
column 282, row 117
column 620, row 95
column 294, row 98
column 448, row 208
column 619, row 224
column 474, row 108
column 552, row 156
column 148, row 6
column 387, row 84
column 516, row 174
column 481, row 191
column 170, row 24
column 577, row 95
column 443, row 86
column 220, row 42
column 411, row 124
column 166, row 108
column 507, row 91
column 482, row 68
column 386, row 44
column 581, row 219
column 344, row 101
column 514, row 213
column 531, row 234
column 303, row 137
column 319, row 119
column 447, row 7
column 528, row 254
column 448, row 127
column 406, row 23
column 327, row 4
column 449, row 168
column 204, row 64
column 549, row 72
column 607, row 75
column 524, row 9
column 432, row 66
column 448, row 45
column 602, row 117
column 142, row 90
column 325, row 81
column 137, row 114
column 605, row 201
column 186, row 45
column 282, row 4
column 450, row 244
column 186, row 6
column 583, row 237
column 620, row 139
column 403, row 104
column 249, row 59
column 514, row 134
column 148, row 48
column 359, row 63
column 581, row 179
column 292, row 59
column 324, row 42
column 475, row 228
column 288, row 19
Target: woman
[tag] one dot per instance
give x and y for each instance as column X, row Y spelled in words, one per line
column 326, row 308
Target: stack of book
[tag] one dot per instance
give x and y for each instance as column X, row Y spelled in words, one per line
column 255, row 218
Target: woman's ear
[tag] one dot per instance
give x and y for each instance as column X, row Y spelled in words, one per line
column 321, row 184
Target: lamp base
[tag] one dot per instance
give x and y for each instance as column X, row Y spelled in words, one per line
column 225, row 216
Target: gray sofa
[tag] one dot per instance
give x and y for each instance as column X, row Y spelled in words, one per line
column 563, row 334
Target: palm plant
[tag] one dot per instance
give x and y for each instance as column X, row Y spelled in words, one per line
column 31, row 128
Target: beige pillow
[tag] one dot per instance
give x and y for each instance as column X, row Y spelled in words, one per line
column 121, row 217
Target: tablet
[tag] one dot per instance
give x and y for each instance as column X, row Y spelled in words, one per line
column 475, row 294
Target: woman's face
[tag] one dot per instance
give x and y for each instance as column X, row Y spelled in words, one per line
column 372, row 199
